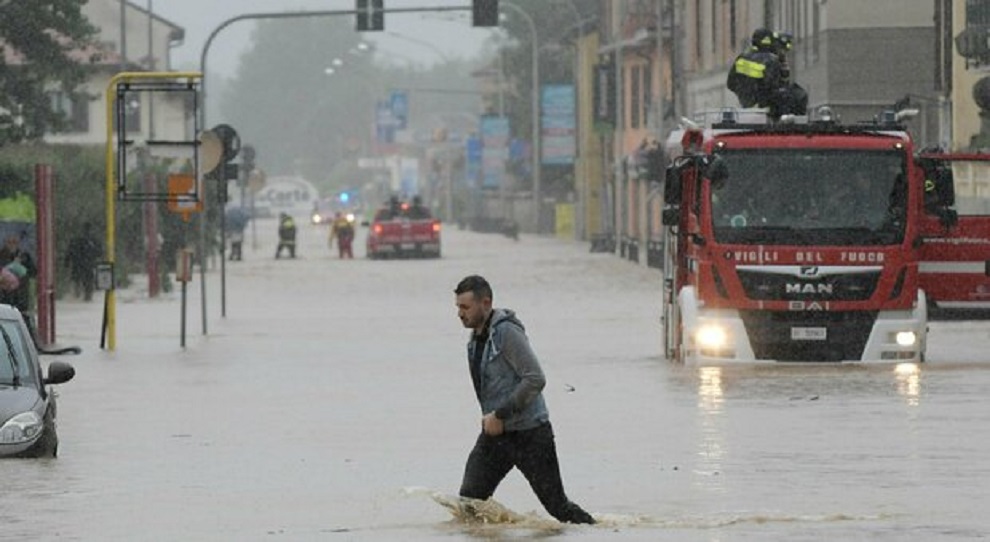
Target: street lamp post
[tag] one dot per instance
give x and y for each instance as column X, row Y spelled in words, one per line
column 535, row 113
column 579, row 190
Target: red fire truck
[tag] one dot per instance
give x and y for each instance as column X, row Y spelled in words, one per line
column 806, row 240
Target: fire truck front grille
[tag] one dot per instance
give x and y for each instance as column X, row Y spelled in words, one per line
column 763, row 286
column 772, row 335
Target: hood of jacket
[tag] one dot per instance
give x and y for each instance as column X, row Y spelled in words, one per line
column 500, row 319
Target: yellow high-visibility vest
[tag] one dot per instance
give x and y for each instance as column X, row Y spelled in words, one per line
column 749, row 68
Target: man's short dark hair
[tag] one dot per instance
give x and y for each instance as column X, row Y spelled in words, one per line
column 475, row 284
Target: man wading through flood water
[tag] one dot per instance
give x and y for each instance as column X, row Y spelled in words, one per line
column 515, row 426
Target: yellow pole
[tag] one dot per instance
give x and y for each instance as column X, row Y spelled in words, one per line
column 111, row 299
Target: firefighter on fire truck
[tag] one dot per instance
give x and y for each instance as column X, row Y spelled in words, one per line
column 760, row 76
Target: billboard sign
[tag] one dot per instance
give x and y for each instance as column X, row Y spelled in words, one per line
column 558, row 125
column 494, row 150
column 384, row 123
column 399, row 104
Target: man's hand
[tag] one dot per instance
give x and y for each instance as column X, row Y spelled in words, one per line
column 491, row 425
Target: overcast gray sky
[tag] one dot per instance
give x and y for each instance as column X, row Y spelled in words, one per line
column 421, row 38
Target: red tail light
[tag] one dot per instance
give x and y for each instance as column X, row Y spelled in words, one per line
column 436, row 227
column 377, row 230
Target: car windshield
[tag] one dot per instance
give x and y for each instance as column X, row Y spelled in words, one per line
column 810, row 197
column 13, row 355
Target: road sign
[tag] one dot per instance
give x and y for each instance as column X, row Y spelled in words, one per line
column 256, row 180
column 182, row 195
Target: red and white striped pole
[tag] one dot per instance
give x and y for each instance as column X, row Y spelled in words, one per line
column 44, row 180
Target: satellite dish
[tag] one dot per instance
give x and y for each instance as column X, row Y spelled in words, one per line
column 210, row 150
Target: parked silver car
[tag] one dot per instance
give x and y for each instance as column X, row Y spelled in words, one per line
column 27, row 401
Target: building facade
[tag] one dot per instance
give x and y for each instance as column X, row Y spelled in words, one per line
column 142, row 43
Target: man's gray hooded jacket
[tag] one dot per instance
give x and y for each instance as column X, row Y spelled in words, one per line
column 511, row 380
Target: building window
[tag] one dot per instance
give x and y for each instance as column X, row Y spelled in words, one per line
column 621, row 123
column 816, row 27
column 714, row 16
column 698, row 30
column 132, row 113
column 74, row 109
column 634, row 90
column 647, row 93
column 733, row 29
column 805, row 26
column 977, row 13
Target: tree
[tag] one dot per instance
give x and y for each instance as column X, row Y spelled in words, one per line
column 43, row 44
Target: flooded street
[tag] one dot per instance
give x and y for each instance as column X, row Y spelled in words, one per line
column 334, row 399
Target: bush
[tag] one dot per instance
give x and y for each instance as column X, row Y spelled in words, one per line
column 80, row 197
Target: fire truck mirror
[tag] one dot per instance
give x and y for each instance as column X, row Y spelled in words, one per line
column 716, row 171
column 671, row 215
column 939, row 183
column 945, row 186
column 672, row 186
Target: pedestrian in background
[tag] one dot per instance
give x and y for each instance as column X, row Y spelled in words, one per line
column 18, row 297
column 84, row 251
column 343, row 231
column 515, row 423
column 286, row 236
column 237, row 220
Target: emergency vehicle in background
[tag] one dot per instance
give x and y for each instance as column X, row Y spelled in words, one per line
column 806, row 240
column 401, row 230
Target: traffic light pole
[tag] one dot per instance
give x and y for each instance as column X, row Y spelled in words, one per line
column 296, row 15
column 202, row 113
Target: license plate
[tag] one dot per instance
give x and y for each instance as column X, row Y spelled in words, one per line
column 809, row 333
column 407, row 246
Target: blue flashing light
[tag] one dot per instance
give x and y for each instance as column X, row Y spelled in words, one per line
column 344, row 197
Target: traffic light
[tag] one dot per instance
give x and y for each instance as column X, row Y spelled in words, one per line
column 370, row 15
column 231, row 144
column 484, row 12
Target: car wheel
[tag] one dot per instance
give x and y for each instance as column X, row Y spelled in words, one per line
column 48, row 443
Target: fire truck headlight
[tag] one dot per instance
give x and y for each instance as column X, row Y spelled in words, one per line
column 711, row 337
column 906, row 338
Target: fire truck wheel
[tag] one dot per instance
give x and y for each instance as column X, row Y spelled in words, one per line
column 679, row 345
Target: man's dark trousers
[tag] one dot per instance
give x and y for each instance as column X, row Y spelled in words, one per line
column 534, row 453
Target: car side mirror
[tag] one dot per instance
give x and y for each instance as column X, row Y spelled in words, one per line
column 59, row 372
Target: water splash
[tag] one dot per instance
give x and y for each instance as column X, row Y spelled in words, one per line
column 475, row 513
column 482, row 512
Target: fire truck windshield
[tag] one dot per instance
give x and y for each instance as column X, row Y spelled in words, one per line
column 811, row 197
